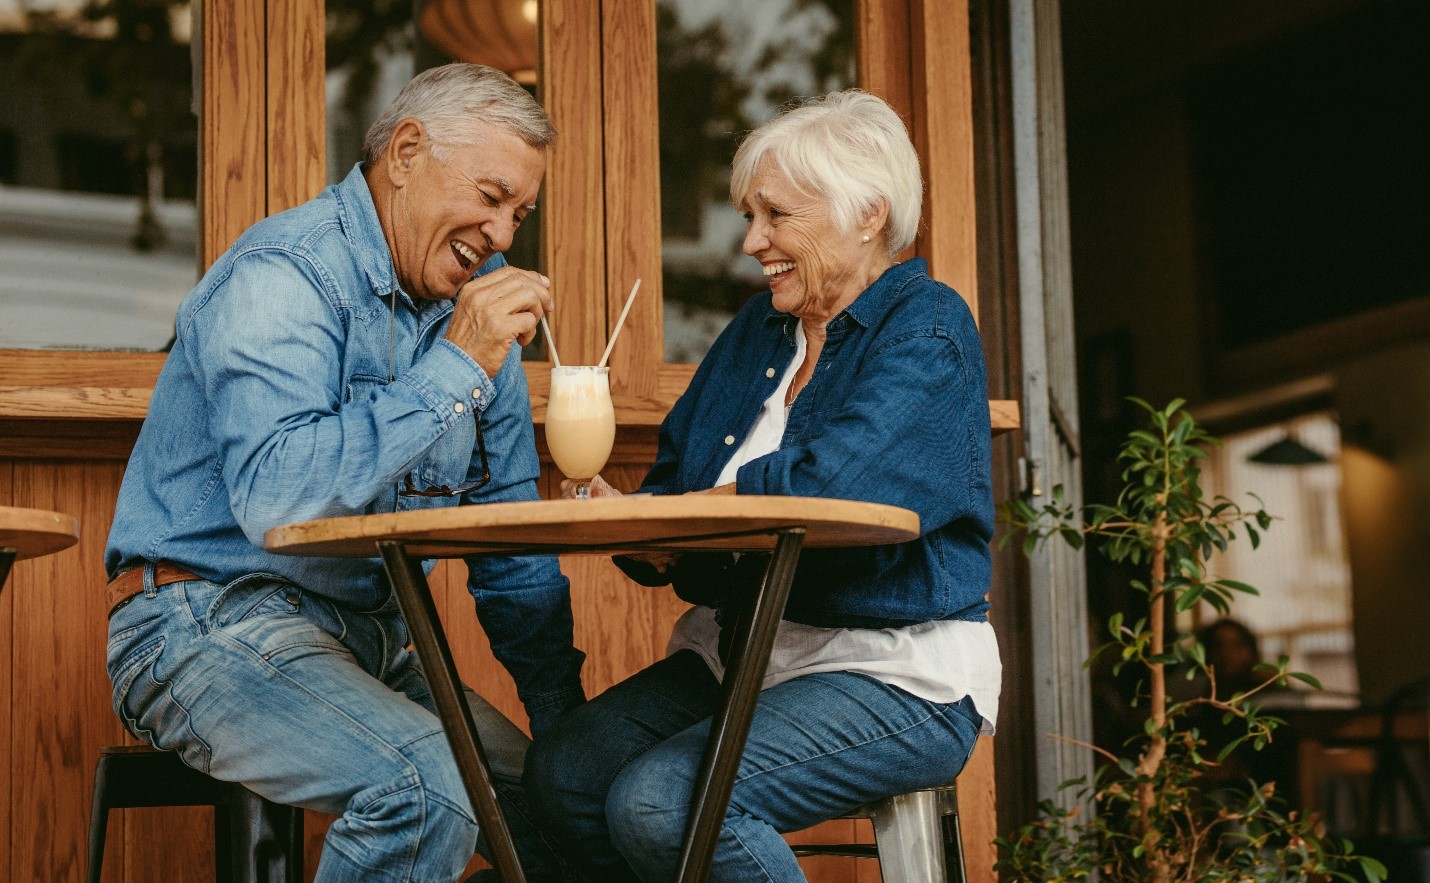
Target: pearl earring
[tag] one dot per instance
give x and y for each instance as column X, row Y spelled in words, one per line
column 866, row 237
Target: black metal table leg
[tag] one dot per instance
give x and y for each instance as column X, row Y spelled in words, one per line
column 415, row 598
column 740, row 691
column 7, row 558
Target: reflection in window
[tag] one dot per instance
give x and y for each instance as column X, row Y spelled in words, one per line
column 98, row 171
column 723, row 69
column 373, row 49
column 1301, row 567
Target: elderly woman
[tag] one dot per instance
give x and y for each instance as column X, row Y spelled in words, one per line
column 854, row 377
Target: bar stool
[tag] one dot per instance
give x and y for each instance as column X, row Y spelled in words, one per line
column 916, row 837
column 255, row 840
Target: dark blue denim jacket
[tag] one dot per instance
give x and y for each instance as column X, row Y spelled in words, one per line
column 274, row 406
column 896, row 412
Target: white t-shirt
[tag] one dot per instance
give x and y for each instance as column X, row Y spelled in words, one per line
column 941, row 661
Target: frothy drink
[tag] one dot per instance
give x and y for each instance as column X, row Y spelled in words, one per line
column 580, row 422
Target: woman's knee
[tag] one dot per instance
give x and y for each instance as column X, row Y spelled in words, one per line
column 648, row 803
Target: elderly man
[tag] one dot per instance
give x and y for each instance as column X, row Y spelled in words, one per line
column 356, row 354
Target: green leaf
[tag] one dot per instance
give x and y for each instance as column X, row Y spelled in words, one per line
column 1238, row 586
column 1189, row 598
column 1307, row 679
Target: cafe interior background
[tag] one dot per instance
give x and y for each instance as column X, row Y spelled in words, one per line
column 1245, row 228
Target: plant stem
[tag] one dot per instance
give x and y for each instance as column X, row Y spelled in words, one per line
column 1151, row 761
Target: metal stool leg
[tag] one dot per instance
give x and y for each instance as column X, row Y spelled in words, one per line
column 265, row 839
column 909, row 835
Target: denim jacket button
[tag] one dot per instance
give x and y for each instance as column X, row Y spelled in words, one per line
column 459, row 407
column 769, row 372
column 729, row 439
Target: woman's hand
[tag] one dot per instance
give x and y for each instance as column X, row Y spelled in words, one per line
column 599, row 488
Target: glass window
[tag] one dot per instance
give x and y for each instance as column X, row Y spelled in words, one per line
column 373, row 49
column 98, row 172
column 1301, row 568
column 723, row 69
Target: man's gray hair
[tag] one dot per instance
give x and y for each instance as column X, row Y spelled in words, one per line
column 848, row 148
column 446, row 100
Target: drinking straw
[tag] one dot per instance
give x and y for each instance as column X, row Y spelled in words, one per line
column 550, row 341
column 619, row 322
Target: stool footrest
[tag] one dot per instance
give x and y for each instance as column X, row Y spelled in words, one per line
column 851, row 850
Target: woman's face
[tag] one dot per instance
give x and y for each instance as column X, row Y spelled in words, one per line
column 449, row 215
column 814, row 268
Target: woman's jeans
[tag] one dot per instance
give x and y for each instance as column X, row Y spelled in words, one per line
column 614, row 777
column 313, row 704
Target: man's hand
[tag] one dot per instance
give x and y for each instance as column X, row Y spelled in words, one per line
column 496, row 309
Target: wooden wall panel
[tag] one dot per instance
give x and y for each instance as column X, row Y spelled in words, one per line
column 296, row 110
column 7, row 644
column 572, row 206
column 232, row 126
column 943, row 132
column 632, row 181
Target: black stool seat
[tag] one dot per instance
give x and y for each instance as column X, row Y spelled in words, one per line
column 255, row 840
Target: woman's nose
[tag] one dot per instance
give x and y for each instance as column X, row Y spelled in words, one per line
column 756, row 239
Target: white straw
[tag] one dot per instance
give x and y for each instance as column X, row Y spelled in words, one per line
column 619, row 322
column 550, row 341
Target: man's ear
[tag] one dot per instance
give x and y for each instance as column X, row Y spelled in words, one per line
column 408, row 141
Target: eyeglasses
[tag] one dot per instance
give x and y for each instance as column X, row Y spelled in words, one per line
column 410, row 490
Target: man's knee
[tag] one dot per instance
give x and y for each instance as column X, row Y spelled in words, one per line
column 422, row 797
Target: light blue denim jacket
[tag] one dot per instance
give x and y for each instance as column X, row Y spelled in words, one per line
column 274, row 406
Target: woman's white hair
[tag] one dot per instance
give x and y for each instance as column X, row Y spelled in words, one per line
column 848, row 148
column 446, row 100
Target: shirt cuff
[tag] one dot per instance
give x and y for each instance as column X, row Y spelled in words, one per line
column 450, row 381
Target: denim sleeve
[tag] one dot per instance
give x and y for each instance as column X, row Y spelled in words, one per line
column 909, row 433
column 523, row 603
column 267, row 346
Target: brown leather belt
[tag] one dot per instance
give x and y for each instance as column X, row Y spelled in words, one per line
column 124, row 587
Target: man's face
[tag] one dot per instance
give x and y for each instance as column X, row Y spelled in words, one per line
column 452, row 213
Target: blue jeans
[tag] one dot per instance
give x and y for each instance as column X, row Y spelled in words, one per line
column 614, row 777
column 313, row 704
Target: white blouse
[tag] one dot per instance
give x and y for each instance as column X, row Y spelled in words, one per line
column 941, row 661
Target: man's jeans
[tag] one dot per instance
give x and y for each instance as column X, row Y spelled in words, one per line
column 312, row 704
column 614, row 777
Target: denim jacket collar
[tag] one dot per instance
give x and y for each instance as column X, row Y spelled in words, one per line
column 357, row 213
column 870, row 307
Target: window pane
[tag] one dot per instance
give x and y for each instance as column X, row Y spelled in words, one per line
column 1301, row 568
column 724, row 68
column 98, row 170
column 374, row 49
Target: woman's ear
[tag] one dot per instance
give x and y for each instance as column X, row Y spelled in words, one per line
column 876, row 218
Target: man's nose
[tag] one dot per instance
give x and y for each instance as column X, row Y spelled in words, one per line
column 500, row 233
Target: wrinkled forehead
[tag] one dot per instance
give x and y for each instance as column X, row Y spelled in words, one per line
column 770, row 183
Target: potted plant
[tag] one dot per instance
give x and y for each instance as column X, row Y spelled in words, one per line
column 1156, row 818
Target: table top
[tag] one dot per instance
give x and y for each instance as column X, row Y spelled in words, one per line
column 35, row 532
column 602, row 525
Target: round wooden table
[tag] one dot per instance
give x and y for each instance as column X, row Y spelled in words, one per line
column 30, row 533
column 779, row 526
